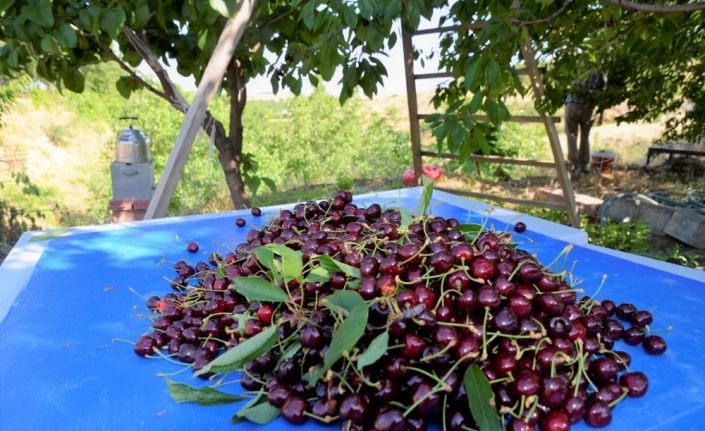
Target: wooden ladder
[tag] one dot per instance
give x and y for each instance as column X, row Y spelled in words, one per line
column 568, row 205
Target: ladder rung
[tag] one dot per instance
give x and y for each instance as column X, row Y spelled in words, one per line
column 491, row 197
column 433, row 75
column 513, row 118
column 474, row 26
column 494, row 159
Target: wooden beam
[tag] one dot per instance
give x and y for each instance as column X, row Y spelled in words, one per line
column 412, row 102
column 463, row 27
column 491, row 197
column 563, row 176
column 434, row 75
column 438, row 75
column 512, row 119
column 210, row 82
column 494, row 159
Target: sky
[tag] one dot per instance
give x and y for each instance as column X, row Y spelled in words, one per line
column 394, row 83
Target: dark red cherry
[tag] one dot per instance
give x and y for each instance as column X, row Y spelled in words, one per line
column 636, row 383
column 294, row 410
column 390, row 420
column 598, row 414
column 482, row 268
column 654, row 345
column 414, row 346
column 555, row 420
column 603, row 369
column 278, row 395
column 641, row 318
column 144, row 346
column 354, row 408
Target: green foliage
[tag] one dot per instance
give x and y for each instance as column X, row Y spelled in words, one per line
column 14, row 220
column 315, row 141
column 630, row 237
column 653, row 61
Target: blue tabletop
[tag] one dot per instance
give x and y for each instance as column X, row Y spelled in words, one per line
column 62, row 366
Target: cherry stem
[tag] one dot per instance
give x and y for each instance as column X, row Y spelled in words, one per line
column 443, row 413
column 433, row 391
column 327, row 419
column 427, row 374
column 625, row 391
column 566, row 250
column 484, row 333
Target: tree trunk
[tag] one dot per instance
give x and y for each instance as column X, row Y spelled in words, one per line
column 230, row 147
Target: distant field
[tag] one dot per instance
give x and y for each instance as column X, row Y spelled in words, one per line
column 64, row 143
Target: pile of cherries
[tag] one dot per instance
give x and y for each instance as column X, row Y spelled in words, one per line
column 447, row 296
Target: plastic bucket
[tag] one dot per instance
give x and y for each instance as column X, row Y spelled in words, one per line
column 602, row 160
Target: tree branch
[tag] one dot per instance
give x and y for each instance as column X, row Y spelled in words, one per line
column 653, row 8
column 170, row 89
column 171, row 93
column 546, row 19
column 124, row 66
column 238, row 99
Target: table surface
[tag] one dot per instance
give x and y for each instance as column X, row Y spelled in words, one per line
column 68, row 299
column 692, row 149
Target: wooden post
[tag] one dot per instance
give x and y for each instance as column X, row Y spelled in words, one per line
column 563, row 177
column 210, row 82
column 414, row 130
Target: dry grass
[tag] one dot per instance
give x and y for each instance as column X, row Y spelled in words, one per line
column 57, row 152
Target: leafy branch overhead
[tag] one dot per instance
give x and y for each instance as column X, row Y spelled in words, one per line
column 652, row 54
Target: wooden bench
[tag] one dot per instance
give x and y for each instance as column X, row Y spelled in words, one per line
column 686, row 150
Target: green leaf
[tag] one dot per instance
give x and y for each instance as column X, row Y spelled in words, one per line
column 392, row 40
column 49, row 235
column 332, row 265
column 475, row 103
column 480, row 399
column 366, row 9
column 66, row 36
column 491, row 72
column 261, row 413
column 308, row 14
column 350, row 16
column 256, row 399
column 265, row 255
column 292, row 264
column 182, row 393
column 5, row 4
column 224, row 7
column 374, row 351
column 347, row 334
column 268, row 181
column 406, row 219
column 393, row 8
column 472, row 76
column 112, row 21
column 141, row 15
column 125, row 86
column 318, row 274
column 291, row 350
column 426, row 194
column 259, row 289
column 235, row 358
column 344, row 300
column 75, row 81
column 40, row 14
column 471, row 228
